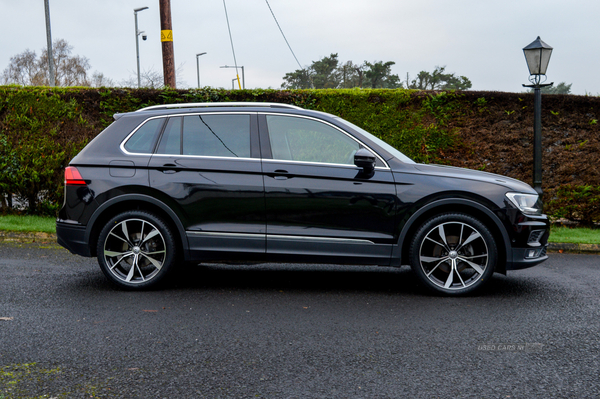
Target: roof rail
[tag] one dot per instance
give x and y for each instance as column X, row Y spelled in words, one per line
column 224, row 104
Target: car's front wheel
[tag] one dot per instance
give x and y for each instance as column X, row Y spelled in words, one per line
column 453, row 253
column 136, row 250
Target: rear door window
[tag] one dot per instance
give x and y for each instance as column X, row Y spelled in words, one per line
column 226, row 135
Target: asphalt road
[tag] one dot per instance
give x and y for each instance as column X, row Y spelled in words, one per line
column 300, row 331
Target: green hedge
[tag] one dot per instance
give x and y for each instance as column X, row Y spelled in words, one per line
column 575, row 203
column 42, row 129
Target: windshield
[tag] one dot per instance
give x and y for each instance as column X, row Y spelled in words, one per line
column 397, row 154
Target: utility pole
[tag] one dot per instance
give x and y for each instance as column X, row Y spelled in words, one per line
column 166, row 37
column 49, row 37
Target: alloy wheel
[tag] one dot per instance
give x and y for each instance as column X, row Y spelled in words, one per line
column 134, row 251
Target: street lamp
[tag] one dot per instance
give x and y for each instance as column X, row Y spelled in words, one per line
column 236, row 68
column 137, row 41
column 537, row 55
column 198, row 66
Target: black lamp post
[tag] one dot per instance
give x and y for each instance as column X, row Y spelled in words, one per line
column 537, row 55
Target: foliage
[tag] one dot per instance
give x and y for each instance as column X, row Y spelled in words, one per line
column 561, row 88
column 575, row 203
column 379, row 75
column 439, row 80
column 33, row 153
column 41, row 129
column 416, row 125
column 329, row 73
column 69, row 70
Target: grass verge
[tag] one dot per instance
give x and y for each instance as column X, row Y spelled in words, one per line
column 579, row 235
column 28, row 223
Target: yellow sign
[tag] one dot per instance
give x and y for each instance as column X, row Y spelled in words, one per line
column 166, row 35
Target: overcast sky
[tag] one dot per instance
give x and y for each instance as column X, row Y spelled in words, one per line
column 480, row 39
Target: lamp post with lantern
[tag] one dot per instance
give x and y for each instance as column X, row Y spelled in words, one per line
column 537, row 55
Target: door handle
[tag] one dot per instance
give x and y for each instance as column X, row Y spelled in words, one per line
column 169, row 168
column 281, row 174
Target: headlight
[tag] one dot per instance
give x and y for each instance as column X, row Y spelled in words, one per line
column 527, row 203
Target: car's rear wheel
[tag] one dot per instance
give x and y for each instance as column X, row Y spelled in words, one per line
column 136, row 250
column 453, row 254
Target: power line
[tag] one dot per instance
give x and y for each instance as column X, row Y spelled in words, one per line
column 232, row 49
column 284, row 38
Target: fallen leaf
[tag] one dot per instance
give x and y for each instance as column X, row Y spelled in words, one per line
column 149, row 310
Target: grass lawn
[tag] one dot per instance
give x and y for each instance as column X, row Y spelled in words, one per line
column 578, row 235
column 28, row 223
column 47, row 225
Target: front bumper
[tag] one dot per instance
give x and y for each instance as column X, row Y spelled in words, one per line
column 530, row 241
column 73, row 238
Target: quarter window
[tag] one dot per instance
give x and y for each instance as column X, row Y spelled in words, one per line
column 307, row 140
column 142, row 141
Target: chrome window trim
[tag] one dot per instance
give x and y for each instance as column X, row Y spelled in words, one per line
column 205, row 156
column 124, row 141
column 386, row 167
column 308, row 163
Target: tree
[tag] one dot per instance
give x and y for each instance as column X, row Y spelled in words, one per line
column 561, row 88
column 23, row 70
column 351, row 75
column 153, row 79
column 326, row 74
column 439, row 80
column 28, row 70
column 379, row 75
column 99, row 80
column 329, row 73
column 299, row 79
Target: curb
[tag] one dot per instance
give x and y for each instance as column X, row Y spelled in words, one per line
column 28, row 237
column 48, row 238
column 568, row 247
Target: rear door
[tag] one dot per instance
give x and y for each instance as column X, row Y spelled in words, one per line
column 208, row 166
column 320, row 206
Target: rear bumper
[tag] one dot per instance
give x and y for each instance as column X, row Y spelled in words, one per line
column 72, row 237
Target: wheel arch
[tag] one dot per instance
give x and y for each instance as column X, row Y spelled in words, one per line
column 127, row 202
column 469, row 207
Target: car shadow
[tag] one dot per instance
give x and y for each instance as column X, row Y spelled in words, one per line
column 318, row 279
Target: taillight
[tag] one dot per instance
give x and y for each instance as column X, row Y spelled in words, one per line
column 73, row 177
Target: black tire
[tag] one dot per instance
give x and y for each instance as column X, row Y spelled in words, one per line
column 453, row 254
column 136, row 250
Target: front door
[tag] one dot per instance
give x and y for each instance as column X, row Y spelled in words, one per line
column 318, row 203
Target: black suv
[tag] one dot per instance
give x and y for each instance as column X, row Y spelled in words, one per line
column 176, row 184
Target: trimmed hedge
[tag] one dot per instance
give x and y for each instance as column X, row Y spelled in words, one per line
column 42, row 128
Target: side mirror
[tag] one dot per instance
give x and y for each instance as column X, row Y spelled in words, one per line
column 365, row 159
